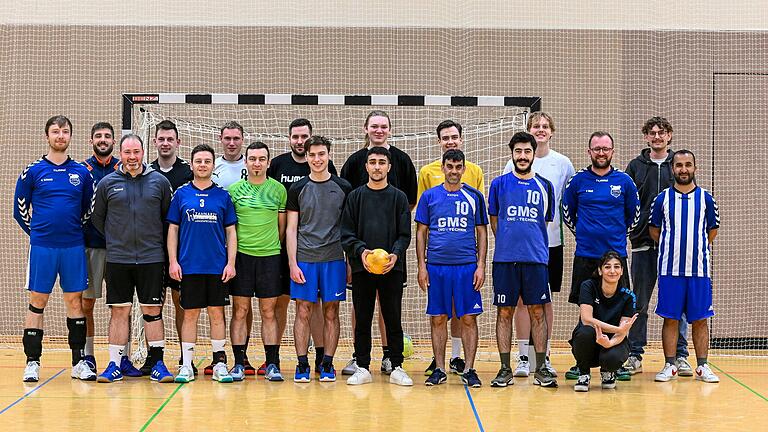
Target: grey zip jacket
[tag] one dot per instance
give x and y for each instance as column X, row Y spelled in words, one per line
column 130, row 212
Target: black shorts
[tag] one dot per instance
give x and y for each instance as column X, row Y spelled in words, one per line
column 285, row 272
column 146, row 280
column 257, row 277
column 555, row 267
column 586, row 268
column 199, row 291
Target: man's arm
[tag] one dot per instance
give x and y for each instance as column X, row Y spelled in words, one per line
column 87, row 199
column 482, row 249
column 654, row 232
column 570, row 204
column 494, row 223
column 422, row 233
column 22, row 199
column 631, row 206
column 229, row 269
column 174, row 269
column 99, row 212
column 352, row 245
column 291, row 240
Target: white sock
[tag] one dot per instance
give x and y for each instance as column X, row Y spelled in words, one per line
column 218, row 345
column 116, row 353
column 187, row 353
column 158, row 343
column 89, row 345
column 522, row 347
column 455, row 347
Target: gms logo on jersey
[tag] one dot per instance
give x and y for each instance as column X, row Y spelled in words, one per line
column 615, row 191
column 206, row 217
column 74, row 179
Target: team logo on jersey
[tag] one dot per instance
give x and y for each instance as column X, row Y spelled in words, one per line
column 615, row 191
column 196, row 216
column 74, row 179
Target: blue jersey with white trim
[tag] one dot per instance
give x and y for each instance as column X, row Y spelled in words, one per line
column 685, row 220
column 52, row 202
column 202, row 216
column 523, row 207
column 600, row 211
column 451, row 218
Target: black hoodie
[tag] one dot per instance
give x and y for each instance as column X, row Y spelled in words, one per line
column 650, row 179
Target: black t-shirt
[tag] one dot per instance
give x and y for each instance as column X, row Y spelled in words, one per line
column 607, row 309
column 287, row 171
column 179, row 174
column 402, row 175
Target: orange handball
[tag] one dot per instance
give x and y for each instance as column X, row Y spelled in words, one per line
column 376, row 260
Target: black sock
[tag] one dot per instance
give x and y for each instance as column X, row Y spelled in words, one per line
column 701, row 361
column 303, row 361
column 33, row 344
column 156, row 354
column 245, row 347
column 76, row 338
column 327, row 360
column 219, row 357
column 385, row 349
column 273, row 355
column 505, row 360
column 670, row 360
column 239, row 352
column 541, row 360
column 319, row 353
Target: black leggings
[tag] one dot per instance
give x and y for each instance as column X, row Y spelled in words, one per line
column 589, row 354
column 390, row 289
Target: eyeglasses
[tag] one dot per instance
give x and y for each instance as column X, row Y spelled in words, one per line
column 601, row 149
column 657, row 133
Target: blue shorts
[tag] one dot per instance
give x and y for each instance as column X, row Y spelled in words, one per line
column 689, row 295
column 514, row 280
column 325, row 280
column 451, row 290
column 69, row 264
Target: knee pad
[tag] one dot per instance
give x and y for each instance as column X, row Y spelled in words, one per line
column 152, row 318
column 36, row 310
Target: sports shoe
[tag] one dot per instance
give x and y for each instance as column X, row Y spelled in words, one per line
column 185, row 375
column 523, row 367
column 608, row 380
column 237, row 372
column 127, row 368
column 302, row 374
column 400, row 377
column 573, row 373
column 457, row 365
column 633, row 365
column 327, row 374
column 273, row 374
column 360, row 376
column 209, row 369
column 194, row 368
column 91, row 362
column 221, row 374
column 470, row 378
column 431, row 368
column 704, row 373
column 350, row 368
column 543, row 377
column 622, row 374
column 83, row 372
column 160, row 373
column 684, row 368
column 386, row 366
column 111, row 374
column 146, row 368
column 436, row 378
column 668, row 373
column 548, row 365
column 582, row 385
column 504, row 378
column 249, row 370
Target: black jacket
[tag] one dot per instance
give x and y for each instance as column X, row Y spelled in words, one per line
column 650, row 179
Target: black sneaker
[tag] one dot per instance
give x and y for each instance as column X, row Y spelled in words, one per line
column 457, row 365
column 431, row 368
column 582, row 385
column 436, row 378
column 543, row 377
column 471, row 379
column 146, row 368
column 504, row 378
column 608, row 380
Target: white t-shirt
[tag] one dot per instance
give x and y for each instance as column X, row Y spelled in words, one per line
column 225, row 173
column 556, row 168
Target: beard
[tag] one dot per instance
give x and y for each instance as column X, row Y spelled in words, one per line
column 525, row 170
column 102, row 153
column 685, row 182
column 601, row 165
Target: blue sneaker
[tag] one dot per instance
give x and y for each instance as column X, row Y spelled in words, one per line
column 127, row 368
column 237, row 373
column 111, row 374
column 91, row 362
column 273, row 374
column 327, row 373
column 160, row 373
column 302, row 374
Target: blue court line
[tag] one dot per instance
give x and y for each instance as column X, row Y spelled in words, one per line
column 31, row 391
column 474, row 410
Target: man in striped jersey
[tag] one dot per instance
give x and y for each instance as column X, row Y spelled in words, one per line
column 684, row 220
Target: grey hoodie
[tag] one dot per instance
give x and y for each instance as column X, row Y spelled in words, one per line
column 130, row 212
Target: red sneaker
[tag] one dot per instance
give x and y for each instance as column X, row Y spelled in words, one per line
column 249, row 370
column 208, row 369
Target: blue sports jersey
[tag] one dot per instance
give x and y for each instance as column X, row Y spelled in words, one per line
column 685, row 221
column 600, row 211
column 93, row 238
column 52, row 202
column 451, row 218
column 523, row 208
column 202, row 216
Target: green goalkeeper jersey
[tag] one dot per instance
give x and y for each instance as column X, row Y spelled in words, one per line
column 257, row 208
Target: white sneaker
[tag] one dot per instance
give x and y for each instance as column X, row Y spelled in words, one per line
column 704, row 373
column 523, row 367
column 221, row 373
column 350, row 368
column 361, row 376
column 668, row 373
column 400, row 377
column 185, row 375
column 32, row 372
column 684, row 368
column 82, row 372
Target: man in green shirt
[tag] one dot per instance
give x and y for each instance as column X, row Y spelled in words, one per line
column 260, row 207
